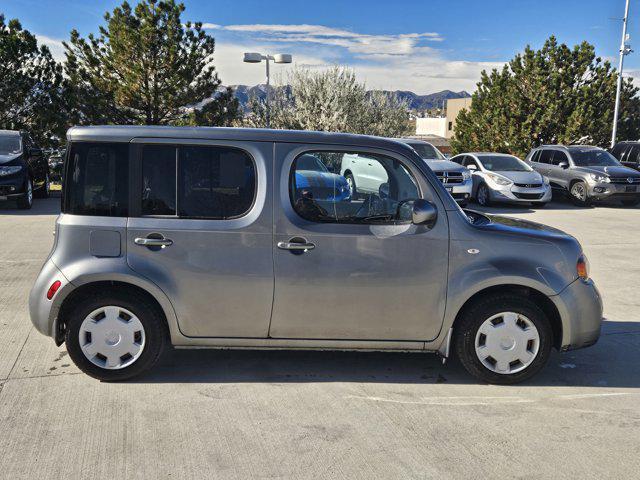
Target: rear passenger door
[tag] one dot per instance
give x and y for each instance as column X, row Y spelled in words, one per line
column 201, row 229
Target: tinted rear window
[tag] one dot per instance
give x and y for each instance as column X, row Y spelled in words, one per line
column 97, row 179
column 212, row 182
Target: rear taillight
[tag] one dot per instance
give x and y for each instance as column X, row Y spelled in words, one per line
column 582, row 267
column 53, row 289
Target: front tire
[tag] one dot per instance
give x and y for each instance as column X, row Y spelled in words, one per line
column 115, row 336
column 503, row 339
column 579, row 193
column 483, row 196
column 351, row 182
column 25, row 202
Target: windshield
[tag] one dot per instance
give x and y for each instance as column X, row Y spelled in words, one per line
column 503, row 163
column 311, row 163
column 10, row 145
column 593, row 158
column 427, row 151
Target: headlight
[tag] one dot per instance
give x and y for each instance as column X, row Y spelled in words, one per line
column 582, row 267
column 596, row 177
column 499, row 179
column 466, row 175
column 4, row 171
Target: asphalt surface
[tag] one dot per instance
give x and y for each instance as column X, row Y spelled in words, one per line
column 246, row 414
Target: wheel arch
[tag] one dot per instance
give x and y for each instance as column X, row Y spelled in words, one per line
column 539, row 298
column 102, row 286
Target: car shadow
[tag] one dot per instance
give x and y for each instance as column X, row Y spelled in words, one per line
column 41, row 206
column 613, row 362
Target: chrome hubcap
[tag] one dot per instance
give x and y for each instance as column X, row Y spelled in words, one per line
column 507, row 343
column 578, row 191
column 111, row 337
column 352, row 189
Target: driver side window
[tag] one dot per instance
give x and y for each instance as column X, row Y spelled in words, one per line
column 351, row 187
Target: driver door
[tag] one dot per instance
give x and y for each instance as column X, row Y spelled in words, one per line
column 356, row 268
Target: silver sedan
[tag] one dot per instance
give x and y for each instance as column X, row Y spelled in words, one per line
column 498, row 177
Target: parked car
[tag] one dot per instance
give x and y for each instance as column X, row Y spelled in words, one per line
column 628, row 154
column 313, row 179
column 24, row 172
column 498, row 177
column 586, row 173
column 145, row 253
column 456, row 179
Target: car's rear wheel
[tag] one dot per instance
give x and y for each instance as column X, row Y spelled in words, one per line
column 115, row 336
column 579, row 193
column 25, row 202
column 503, row 339
column 482, row 196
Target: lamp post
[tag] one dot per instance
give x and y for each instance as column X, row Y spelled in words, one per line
column 252, row 57
column 625, row 49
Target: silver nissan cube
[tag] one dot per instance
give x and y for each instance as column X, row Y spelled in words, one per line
column 241, row 238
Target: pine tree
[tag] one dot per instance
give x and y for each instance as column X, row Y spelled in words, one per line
column 552, row 95
column 144, row 67
column 30, row 85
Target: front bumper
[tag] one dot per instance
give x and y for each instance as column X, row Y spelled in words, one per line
column 580, row 308
column 514, row 194
column 601, row 191
column 12, row 186
column 461, row 192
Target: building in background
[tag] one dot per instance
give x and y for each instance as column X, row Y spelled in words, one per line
column 443, row 126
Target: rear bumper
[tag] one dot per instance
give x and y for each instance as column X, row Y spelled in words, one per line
column 580, row 308
column 44, row 312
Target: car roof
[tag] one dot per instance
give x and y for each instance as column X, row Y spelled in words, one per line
column 10, row 133
column 412, row 141
column 126, row 133
column 481, row 154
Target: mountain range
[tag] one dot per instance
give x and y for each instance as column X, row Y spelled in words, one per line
column 416, row 102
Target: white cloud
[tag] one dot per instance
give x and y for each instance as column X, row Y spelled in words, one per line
column 55, row 45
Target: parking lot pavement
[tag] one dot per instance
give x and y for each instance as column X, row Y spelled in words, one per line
column 245, row 414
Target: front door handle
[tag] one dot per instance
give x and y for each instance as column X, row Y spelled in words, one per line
column 153, row 242
column 300, row 246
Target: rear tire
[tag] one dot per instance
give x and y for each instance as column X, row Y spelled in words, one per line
column 151, row 340
column 523, row 351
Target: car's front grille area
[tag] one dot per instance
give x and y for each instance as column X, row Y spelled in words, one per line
column 450, row 178
column 625, row 180
column 528, row 196
column 528, row 185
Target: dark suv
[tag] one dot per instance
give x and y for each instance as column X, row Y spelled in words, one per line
column 628, row 154
column 23, row 169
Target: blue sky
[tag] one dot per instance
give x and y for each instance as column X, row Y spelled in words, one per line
column 424, row 46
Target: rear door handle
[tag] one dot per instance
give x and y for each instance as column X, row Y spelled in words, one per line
column 153, row 242
column 296, row 246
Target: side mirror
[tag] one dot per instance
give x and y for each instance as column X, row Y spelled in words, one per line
column 35, row 152
column 424, row 212
column 472, row 167
column 563, row 165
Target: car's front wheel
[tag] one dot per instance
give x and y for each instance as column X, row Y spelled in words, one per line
column 503, row 339
column 579, row 193
column 115, row 336
column 25, row 202
column 483, row 196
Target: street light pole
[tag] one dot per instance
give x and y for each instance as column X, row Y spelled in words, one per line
column 624, row 50
column 252, row 57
